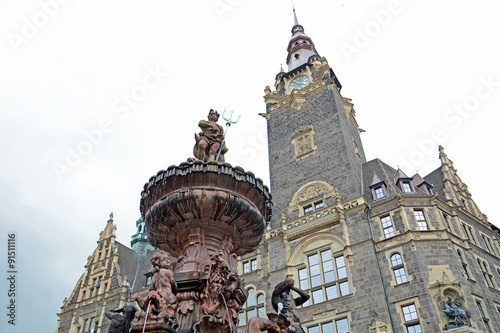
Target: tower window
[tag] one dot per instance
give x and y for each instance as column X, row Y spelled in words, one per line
column 310, row 208
column 297, row 56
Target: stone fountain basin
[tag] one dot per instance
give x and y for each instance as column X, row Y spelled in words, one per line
column 220, row 201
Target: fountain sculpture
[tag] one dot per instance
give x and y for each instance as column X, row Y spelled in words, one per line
column 204, row 214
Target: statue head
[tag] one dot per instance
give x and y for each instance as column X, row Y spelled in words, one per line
column 160, row 260
column 213, row 115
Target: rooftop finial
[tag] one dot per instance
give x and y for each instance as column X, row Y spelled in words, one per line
column 295, row 21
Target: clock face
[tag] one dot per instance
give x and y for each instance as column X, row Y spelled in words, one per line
column 299, row 82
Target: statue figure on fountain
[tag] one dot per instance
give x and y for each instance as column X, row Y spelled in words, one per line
column 209, row 140
column 287, row 318
column 120, row 323
column 160, row 303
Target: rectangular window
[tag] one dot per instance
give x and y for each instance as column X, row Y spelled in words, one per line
column 319, row 205
column 308, row 209
column 246, row 267
column 336, row 326
column 387, row 227
column 411, row 319
column 406, row 187
column 379, row 192
column 325, row 277
column 484, row 317
column 446, row 222
column 422, row 223
column 253, row 264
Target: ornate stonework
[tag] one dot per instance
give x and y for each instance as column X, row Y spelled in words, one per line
column 303, row 142
column 309, row 191
column 379, row 326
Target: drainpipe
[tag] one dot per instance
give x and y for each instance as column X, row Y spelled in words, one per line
column 379, row 267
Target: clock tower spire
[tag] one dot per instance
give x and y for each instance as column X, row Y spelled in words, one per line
column 300, row 49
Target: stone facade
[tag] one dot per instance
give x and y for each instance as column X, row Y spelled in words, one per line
column 376, row 249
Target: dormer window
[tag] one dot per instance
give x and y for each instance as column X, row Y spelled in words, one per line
column 428, row 188
column 379, row 191
column 406, row 186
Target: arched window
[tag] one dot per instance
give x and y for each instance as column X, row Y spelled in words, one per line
column 398, row 268
column 254, row 307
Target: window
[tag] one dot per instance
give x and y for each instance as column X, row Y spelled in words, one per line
column 313, row 207
column 398, row 268
column 387, row 226
column 91, row 324
column 249, row 266
column 378, row 192
column 336, row 326
column 489, row 244
column 428, row 188
column 149, row 276
column 104, row 287
column 406, row 187
column 422, row 223
column 411, row 320
column 484, row 317
column 446, row 222
column 254, row 307
column 83, row 296
column 469, row 232
column 325, row 277
column 464, row 264
column 483, row 265
column 463, row 204
column 85, row 326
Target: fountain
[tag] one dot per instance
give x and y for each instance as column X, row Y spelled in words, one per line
column 204, row 214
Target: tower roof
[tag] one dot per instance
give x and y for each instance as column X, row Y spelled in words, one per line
column 301, row 49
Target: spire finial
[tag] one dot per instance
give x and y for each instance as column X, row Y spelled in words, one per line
column 295, row 21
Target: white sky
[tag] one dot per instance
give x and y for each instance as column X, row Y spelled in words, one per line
column 69, row 74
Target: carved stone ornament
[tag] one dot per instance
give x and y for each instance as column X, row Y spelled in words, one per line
column 310, row 191
column 303, row 141
column 379, row 326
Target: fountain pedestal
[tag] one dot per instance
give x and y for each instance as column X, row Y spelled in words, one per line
column 205, row 215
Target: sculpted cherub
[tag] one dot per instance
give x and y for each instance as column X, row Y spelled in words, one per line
column 162, row 289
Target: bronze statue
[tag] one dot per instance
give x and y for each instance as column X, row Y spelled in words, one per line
column 119, row 323
column 453, row 309
column 285, row 304
column 287, row 318
column 162, row 289
column 210, row 139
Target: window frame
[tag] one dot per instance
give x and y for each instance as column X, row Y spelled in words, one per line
column 256, row 307
column 249, row 265
column 398, row 267
column 424, row 220
column 391, row 226
column 413, row 322
column 312, row 206
column 483, row 314
column 334, row 321
column 340, row 273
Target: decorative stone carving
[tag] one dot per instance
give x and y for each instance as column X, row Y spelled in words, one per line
column 160, row 303
column 303, row 142
column 209, row 140
column 379, row 326
column 309, row 191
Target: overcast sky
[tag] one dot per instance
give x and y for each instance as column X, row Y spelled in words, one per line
column 96, row 97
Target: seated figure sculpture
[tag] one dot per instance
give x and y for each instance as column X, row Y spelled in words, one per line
column 119, row 323
column 285, row 305
column 209, row 140
column 161, row 299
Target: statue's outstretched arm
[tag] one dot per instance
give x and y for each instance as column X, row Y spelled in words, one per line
column 303, row 296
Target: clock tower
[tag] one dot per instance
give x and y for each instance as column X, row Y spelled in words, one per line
column 313, row 134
